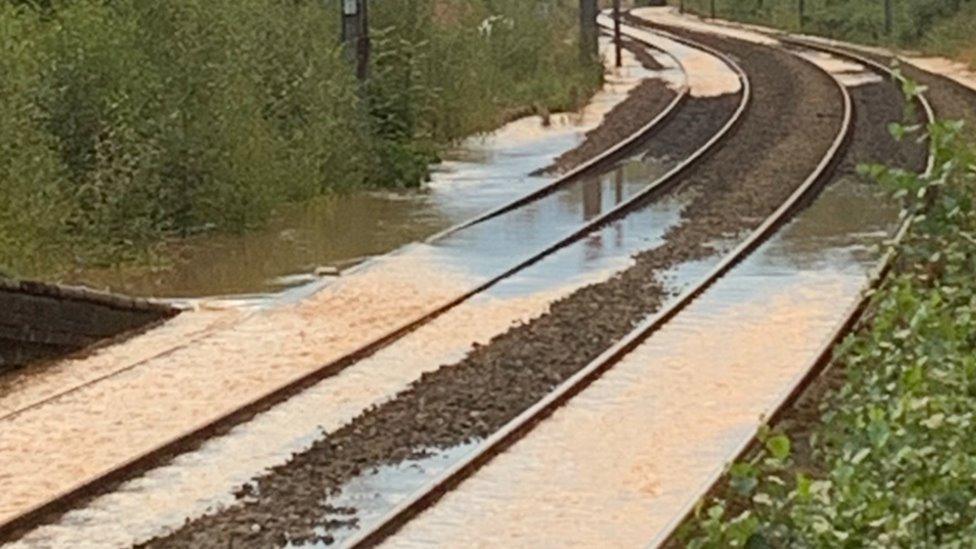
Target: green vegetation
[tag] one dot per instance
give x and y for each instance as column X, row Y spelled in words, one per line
column 939, row 26
column 882, row 452
column 130, row 122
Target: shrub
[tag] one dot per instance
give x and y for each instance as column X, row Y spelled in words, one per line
column 131, row 121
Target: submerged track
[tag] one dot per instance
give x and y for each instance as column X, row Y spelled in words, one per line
column 399, row 419
column 91, row 486
column 525, row 422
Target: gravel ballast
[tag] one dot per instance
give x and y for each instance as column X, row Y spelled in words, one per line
column 795, row 115
column 642, row 105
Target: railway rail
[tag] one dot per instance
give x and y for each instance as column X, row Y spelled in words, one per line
column 96, row 484
column 849, row 321
column 519, row 427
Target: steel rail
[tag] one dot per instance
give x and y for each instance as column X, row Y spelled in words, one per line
column 521, row 425
column 173, row 307
column 846, row 325
column 206, row 428
column 589, row 165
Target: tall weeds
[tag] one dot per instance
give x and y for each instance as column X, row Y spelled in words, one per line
column 134, row 121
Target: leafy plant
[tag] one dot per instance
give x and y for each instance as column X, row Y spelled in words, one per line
column 128, row 123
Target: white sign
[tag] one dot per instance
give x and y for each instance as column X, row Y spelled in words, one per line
column 350, row 7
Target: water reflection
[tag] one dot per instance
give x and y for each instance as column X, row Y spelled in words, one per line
column 483, row 172
column 624, row 459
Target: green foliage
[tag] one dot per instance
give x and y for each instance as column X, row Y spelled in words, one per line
column 859, row 20
column 892, row 459
column 131, row 122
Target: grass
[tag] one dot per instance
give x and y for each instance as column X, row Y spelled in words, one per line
column 131, row 123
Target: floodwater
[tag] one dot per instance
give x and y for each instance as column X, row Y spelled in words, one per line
column 708, row 76
column 127, row 399
column 206, row 479
column 629, row 455
column 335, row 232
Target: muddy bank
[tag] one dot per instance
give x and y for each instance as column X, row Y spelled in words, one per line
column 643, row 104
column 795, row 116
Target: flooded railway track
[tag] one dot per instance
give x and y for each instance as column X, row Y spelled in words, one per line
column 62, row 499
column 482, row 503
column 527, row 420
column 416, row 416
column 574, row 384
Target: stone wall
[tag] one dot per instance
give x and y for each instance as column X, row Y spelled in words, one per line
column 41, row 321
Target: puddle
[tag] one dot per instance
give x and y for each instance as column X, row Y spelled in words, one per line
column 623, row 459
column 375, row 493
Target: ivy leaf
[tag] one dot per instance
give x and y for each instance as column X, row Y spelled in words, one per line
column 878, row 433
column 779, row 447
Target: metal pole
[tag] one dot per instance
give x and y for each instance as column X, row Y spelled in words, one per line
column 713, row 9
column 802, row 9
column 681, row 6
column 589, row 38
column 617, row 40
column 889, row 17
column 355, row 35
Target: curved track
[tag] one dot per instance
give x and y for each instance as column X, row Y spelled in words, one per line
column 523, row 424
column 854, row 315
column 590, row 167
column 97, row 484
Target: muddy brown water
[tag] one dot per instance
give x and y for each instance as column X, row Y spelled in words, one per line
column 337, row 231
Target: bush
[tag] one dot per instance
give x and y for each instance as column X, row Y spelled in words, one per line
column 131, row 122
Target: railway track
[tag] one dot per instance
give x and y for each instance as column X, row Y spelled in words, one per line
column 849, row 320
column 521, row 426
column 525, row 422
column 98, row 483
column 795, row 201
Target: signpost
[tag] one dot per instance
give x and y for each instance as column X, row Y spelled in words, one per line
column 589, row 38
column 888, row 17
column 618, row 44
column 355, row 35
